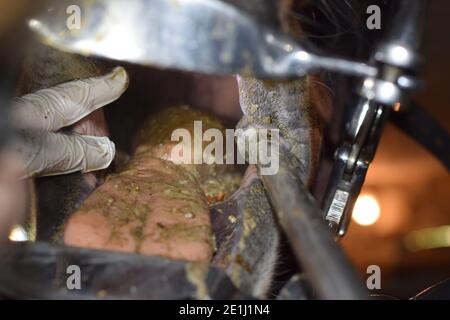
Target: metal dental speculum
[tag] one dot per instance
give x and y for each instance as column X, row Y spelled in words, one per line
column 208, row 36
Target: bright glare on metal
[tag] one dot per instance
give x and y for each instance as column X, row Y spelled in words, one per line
column 400, row 53
column 18, row 234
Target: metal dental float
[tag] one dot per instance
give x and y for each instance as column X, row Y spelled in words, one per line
column 209, row 36
column 215, row 37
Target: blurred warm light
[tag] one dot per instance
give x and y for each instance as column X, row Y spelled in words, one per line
column 18, row 233
column 366, row 211
column 429, row 238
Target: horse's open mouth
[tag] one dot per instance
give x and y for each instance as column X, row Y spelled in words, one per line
column 148, row 205
column 215, row 214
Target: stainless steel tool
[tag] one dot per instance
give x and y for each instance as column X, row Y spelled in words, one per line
column 207, row 36
column 397, row 57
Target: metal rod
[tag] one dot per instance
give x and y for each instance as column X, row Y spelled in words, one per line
column 327, row 267
column 408, row 26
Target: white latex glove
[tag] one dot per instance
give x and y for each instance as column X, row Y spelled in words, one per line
column 38, row 116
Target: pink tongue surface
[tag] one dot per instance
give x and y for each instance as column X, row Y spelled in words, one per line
column 152, row 207
column 93, row 125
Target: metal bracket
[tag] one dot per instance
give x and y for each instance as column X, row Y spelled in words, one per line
column 396, row 57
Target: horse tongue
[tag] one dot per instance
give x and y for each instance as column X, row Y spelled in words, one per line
column 93, row 125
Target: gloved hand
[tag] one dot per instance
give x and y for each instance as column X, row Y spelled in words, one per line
column 39, row 116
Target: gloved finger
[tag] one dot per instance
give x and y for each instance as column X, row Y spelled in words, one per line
column 49, row 154
column 60, row 106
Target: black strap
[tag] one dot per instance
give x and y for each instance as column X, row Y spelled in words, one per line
column 420, row 125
